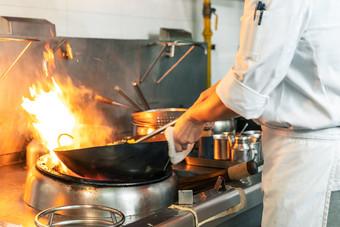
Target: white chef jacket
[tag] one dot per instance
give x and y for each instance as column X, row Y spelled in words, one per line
column 287, row 69
column 286, row 77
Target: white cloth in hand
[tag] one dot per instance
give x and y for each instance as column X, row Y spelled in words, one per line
column 175, row 157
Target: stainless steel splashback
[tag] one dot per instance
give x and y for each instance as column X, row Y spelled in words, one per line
column 99, row 65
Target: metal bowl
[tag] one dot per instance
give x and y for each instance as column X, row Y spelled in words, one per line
column 225, row 126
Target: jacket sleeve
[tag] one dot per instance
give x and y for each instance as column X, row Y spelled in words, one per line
column 268, row 40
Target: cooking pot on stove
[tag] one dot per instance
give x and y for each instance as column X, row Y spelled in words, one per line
column 148, row 121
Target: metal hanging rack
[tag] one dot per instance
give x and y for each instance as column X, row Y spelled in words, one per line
column 24, row 30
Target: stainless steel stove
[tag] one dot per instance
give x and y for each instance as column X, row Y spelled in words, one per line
column 15, row 211
column 46, row 187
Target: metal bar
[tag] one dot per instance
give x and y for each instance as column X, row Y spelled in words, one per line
column 141, row 96
column 174, row 66
column 51, row 218
column 122, row 93
column 59, row 44
column 111, row 102
column 113, row 217
column 153, row 63
column 15, row 61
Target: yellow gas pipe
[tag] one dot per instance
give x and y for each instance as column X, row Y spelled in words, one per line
column 207, row 33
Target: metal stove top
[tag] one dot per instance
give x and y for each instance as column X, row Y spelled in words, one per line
column 14, row 210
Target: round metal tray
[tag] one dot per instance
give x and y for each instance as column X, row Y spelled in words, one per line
column 117, row 218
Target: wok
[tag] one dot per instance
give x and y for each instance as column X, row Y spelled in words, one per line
column 122, row 163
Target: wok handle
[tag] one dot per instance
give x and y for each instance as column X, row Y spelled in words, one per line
column 157, row 131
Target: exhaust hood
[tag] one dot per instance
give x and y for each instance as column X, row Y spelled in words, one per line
column 25, row 29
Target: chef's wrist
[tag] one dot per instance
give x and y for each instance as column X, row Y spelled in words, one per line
column 195, row 116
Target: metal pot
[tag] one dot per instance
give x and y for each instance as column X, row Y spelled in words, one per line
column 148, row 121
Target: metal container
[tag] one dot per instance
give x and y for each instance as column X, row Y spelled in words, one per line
column 241, row 150
column 222, row 145
column 148, row 121
column 206, row 147
column 258, row 147
column 253, row 133
column 254, row 137
column 225, row 126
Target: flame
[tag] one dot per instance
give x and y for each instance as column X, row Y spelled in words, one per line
column 48, row 62
column 52, row 116
column 59, row 109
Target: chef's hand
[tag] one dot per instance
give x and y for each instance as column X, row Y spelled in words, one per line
column 187, row 131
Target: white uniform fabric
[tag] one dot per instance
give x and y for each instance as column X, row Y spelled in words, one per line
column 287, row 77
column 287, row 69
column 300, row 171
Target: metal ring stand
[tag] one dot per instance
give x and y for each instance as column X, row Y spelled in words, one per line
column 89, row 221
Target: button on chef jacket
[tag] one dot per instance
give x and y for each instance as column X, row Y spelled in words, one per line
column 287, row 69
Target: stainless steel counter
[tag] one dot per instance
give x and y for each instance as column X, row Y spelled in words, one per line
column 210, row 203
column 15, row 211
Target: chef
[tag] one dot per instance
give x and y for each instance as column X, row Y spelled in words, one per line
column 286, row 77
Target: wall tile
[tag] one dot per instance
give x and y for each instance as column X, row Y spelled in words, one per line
column 93, row 25
column 50, row 4
column 140, row 28
column 136, row 19
column 145, row 8
column 181, row 10
column 90, row 6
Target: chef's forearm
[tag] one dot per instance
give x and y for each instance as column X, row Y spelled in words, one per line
column 210, row 110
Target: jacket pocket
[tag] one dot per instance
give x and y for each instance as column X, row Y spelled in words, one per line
column 252, row 33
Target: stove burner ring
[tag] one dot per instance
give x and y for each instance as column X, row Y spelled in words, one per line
column 117, row 217
column 46, row 170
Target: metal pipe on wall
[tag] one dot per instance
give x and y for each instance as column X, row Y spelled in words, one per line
column 207, row 33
